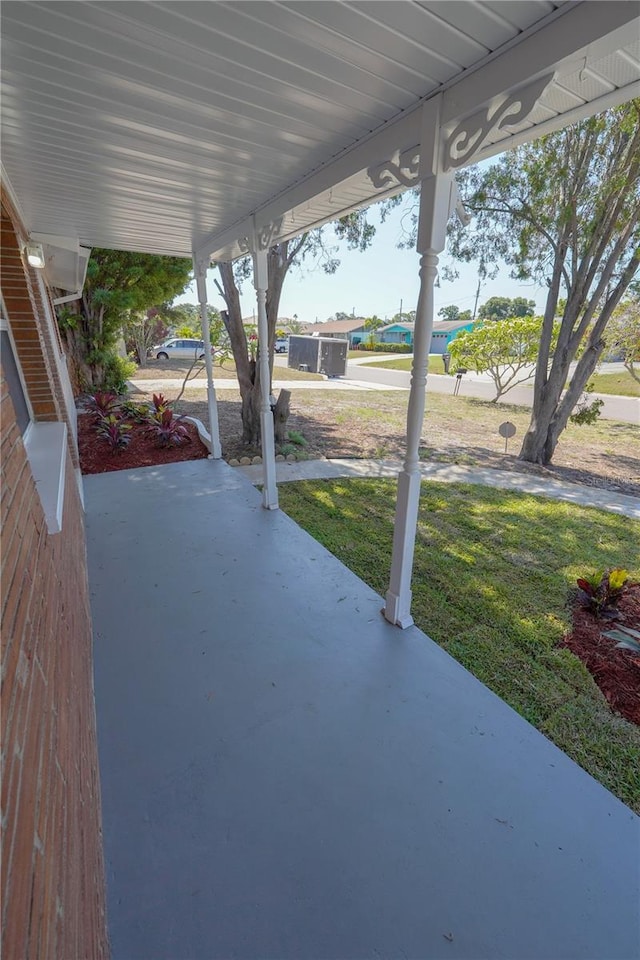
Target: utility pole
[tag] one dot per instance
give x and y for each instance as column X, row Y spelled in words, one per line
column 475, row 306
column 400, row 320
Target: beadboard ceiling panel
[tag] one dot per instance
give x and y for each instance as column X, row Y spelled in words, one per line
column 158, row 125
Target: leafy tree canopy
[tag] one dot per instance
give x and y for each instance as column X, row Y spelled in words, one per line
column 373, row 323
column 499, row 308
column 507, row 351
column 565, row 211
column 407, row 316
column 119, row 284
column 454, row 313
column 623, row 334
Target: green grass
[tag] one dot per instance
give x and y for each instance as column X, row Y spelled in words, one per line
column 404, row 363
column 621, row 384
column 492, row 576
column 177, row 369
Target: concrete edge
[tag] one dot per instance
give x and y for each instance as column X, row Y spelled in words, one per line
column 203, row 433
column 595, row 497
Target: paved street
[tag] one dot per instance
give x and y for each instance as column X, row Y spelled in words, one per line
column 626, row 409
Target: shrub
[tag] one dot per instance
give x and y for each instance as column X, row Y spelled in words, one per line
column 390, row 347
column 102, row 403
column 138, row 412
column 601, row 591
column 117, row 370
column 114, row 431
column 586, row 413
column 294, row 436
column 160, row 403
column 627, row 637
column 168, row 429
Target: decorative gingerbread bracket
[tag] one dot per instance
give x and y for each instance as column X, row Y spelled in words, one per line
column 471, row 134
column 268, row 234
column 265, row 237
column 405, row 171
column 465, row 141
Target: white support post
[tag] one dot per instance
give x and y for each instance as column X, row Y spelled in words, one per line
column 260, row 280
column 200, row 269
column 436, row 199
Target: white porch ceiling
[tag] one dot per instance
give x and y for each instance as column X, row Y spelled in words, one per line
column 164, row 126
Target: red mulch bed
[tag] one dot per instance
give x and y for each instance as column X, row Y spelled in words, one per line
column 616, row 671
column 143, row 450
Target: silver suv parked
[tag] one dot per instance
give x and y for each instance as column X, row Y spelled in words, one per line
column 180, row 349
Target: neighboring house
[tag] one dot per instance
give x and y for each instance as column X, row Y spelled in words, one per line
column 352, row 330
column 396, row 333
column 444, row 331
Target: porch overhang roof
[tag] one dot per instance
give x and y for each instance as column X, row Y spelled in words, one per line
column 182, row 127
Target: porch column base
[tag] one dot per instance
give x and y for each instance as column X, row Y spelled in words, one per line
column 398, row 597
column 270, row 487
column 212, row 406
column 392, row 611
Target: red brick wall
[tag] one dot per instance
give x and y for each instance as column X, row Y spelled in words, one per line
column 52, row 869
column 53, row 898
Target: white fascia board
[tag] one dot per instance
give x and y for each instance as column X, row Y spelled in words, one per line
column 71, row 244
column 405, row 131
column 398, row 135
column 588, row 28
column 613, row 99
column 223, row 242
column 288, row 232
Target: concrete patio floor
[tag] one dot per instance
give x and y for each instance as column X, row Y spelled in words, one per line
column 285, row 775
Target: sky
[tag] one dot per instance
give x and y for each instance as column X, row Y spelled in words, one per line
column 373, row 282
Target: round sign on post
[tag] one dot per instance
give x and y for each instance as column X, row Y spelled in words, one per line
column 507, row 430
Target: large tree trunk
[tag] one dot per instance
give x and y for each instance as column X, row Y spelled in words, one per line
column 551, row 415
column 541, row 437
column 281, row 415
column 279, row 260
column 82, row 328
column 245, row 367
column 552, row 406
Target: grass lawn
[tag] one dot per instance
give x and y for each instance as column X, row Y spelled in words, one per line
column 177, row 370
column 404, row 363
column 621, row 384
column 491, row 579
column 372, row 424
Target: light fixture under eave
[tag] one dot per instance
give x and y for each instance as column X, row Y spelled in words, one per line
column 35, row 255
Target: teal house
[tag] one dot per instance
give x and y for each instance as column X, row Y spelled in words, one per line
column 443, row 333
column 396, row 333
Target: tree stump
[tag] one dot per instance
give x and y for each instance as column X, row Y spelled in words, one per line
column 281, row 413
